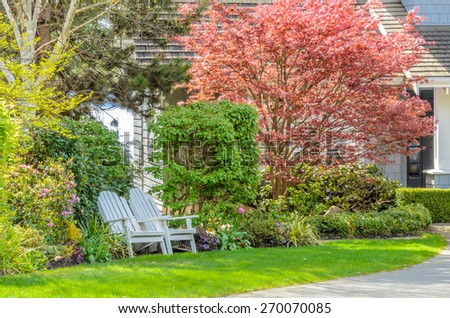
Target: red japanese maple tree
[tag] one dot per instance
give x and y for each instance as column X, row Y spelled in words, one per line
column 327, row 84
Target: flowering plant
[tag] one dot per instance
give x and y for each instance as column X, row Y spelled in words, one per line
column 43, row 197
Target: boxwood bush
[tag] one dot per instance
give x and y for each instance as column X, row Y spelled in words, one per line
column 405, row 220
column 437, row 201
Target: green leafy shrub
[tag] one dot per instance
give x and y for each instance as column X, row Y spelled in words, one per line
column 336, row 226
column 6, row 151
column 437, row 201
column 209, row 155
column 351, row 187
column 215, row 215
column 412, row 218
column 264, row 229
column 397, row 221
column 93, row 153
column 43, row 198
column 21, row 249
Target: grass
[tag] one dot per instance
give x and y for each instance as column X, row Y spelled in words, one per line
column 215, row 274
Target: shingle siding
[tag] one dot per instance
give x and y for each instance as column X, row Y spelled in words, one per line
column 436, row 11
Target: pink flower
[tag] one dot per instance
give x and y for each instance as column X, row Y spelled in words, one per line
column 75, row 198
column 241, row 210
column 44, row 192
column 51, row 224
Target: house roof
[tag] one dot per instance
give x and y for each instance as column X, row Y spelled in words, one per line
column 436, row 63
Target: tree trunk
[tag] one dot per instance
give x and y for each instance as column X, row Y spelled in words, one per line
column 44, row 33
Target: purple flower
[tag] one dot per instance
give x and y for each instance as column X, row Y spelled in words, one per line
column 241, row 210
column 51, row 224
column 66, row 213
column 45, row 192
column 75, row 198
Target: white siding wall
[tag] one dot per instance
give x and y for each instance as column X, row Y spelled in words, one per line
column 141, row 154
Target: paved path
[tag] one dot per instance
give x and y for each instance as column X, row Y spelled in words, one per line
column 429, row 279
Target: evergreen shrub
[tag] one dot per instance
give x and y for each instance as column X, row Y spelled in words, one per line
column 208, row 156
column 350, row 187
column 437, row 201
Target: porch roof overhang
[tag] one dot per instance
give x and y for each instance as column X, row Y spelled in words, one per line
column 436, row 82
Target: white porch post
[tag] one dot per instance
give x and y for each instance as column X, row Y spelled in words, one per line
column 436, row 131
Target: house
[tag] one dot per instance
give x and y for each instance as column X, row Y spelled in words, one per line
column 430, row 167
column 426, row 168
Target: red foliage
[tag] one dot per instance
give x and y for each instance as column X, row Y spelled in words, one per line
column 321, row 75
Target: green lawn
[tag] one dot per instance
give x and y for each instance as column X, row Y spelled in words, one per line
column 214, row 274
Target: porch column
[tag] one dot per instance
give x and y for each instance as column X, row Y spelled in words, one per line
column 439, row 177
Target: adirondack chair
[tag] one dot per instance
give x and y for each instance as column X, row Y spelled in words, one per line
column 143, row 206
column 116, row 212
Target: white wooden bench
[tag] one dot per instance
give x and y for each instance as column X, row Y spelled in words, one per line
column 143, row 207
column 116, row 212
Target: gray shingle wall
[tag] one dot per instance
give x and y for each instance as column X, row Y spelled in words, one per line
column 437, row 12
column 146, row 51
column 438, row 181
column 396, row 169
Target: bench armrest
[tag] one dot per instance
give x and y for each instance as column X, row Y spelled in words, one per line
column 118, row 220
column 158, row 218
column 182, row 217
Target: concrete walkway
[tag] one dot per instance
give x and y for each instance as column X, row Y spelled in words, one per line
column 429, row 279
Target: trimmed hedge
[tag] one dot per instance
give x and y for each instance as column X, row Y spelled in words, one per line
column 398, row 221
column 437, row 201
